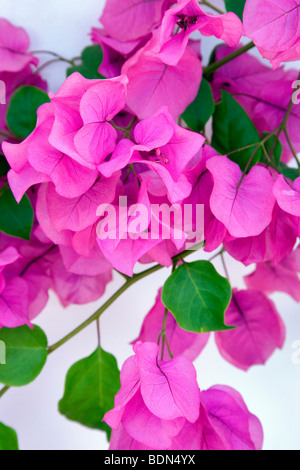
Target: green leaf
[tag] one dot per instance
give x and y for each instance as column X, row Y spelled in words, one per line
column 233, row 130
column 4, row 166
column 91, row 386
column 91, row 59
column 15, row 219
column 237, row 6
column 291, row 173
column 8, row 438
column 198, row 297
column 269, row 146
column 21, row 114
column 26, row 355
column 201, row 109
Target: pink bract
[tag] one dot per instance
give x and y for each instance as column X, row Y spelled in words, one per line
column 14, row 44
column 259, row 331
column 274, row 27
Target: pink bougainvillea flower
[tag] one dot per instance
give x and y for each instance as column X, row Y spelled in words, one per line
column 97, row 138
column 282, row 278
column 163, row 146
column 188, row 17
column 259, row 331
column 83, row 107
column 227, row 423
column 223, row 422
column 251, row 83
column 243, row 203
column 78, row 213
column 126, row 253
column 131, row 19
column 22, row 175
column 274, row 27
column 42, row 214
column 182, row 343
column 115, row 52
column 214, row 230
column 287, row 195
column 93, row 265
column 35, row 161
column 14, row 44
column 274, row 244
column 69, row 177
column 123, row 233
column 20, row 263
column 13, row 306
column 8, row 256
column 156, row 398
column 153, row 83
column 78, row 289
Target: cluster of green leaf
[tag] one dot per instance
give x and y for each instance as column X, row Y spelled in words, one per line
column 91, row 384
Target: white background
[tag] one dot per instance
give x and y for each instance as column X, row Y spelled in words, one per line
column 271, row 392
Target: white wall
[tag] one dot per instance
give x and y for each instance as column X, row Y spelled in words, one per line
column 272, row 392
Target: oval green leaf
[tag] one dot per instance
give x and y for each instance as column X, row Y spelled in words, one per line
column 8, row 438
column 234, row 130
column 90, row 389
column 4, row 166
column 201, row 109
column 198, row 297
column 91, row 59
column 16, row 219
column 21, row 114
column 237, row 6
column 26, row 355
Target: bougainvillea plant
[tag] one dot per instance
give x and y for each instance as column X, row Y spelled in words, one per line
column 145, row 156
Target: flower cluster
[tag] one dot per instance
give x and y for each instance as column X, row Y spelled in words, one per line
column 160, row 406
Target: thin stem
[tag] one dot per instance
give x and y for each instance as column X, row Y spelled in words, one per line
column 98, row 332
column 9, row 135
column 3, row 391
column 131, row 281
column 162, row 334
column 122, row 129
column 216, row 65
column 217, row 255
column 54, row 54
column 213, row 7
column 253, row 145
column 57, row 56
column 124, row 276
column 53, row 61
column 269, row 160
column 292, row 148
